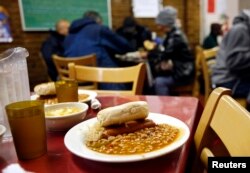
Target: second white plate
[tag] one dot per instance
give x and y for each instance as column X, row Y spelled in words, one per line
column 91, row 95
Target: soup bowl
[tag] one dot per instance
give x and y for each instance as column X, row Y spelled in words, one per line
column 63, row 116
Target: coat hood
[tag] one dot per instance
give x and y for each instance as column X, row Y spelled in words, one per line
column 79, row 24
column 243, row 17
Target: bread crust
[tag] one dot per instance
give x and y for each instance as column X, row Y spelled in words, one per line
column 45, row 89
column 122, row 113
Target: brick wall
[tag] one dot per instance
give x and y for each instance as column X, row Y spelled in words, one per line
column 188, row 12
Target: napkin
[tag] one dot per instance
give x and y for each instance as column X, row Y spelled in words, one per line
column 95, row 104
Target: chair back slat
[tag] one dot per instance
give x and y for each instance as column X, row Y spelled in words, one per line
column 61, row 64
column 133, row 74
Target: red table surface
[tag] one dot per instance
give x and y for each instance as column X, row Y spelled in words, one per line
column 58, row 159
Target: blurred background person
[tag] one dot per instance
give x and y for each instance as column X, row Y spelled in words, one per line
column 225, row 23
column 173, row 64
column 54, row 45
column 87, row 35
column 232, row 68
column 135, row 34
column 211, row 40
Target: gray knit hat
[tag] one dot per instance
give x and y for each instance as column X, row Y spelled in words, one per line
column 167, row 16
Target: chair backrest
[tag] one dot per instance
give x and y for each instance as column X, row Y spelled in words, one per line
column 61, row 63
column 207, row 61
column 134, row 74
column 223, row 129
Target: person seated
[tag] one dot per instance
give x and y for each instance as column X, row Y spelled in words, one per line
column 232, row 68
column 54, row 45
column 135, row 34
column 211, row 40
column 172, row 63
column 87, row 35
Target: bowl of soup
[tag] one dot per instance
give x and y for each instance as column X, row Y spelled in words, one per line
column 63, row 116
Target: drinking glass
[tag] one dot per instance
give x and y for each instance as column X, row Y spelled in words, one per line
column 67, row 91
column 27, row 125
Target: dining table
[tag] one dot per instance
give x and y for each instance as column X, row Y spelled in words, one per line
column 59, row 159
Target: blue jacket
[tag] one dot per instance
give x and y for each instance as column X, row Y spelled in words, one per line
column 86, row 37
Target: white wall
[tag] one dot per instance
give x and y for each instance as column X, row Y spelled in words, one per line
column 233, row 9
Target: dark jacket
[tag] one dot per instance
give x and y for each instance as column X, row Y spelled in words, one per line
column 53, row 45
column 175, row 47
column 135, row 35
column 233, row 58
column 210, row 41
column 86, row 37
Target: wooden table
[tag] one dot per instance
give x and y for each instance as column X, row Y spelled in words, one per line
column 59, row 160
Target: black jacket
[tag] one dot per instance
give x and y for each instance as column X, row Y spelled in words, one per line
column 175, row 47
column 135, row 35
column 53, row 45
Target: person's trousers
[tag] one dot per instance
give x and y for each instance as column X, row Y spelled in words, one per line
column 163, row 84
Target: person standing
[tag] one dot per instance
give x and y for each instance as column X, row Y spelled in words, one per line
column 232, row 68
column 54, row 45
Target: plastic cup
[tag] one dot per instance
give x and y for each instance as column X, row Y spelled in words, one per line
column 27, row 125
column 67, row 91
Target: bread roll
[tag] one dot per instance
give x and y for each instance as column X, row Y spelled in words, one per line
column 45, row 89
column 123, row 113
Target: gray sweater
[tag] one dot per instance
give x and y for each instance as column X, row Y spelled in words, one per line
column 233, row 58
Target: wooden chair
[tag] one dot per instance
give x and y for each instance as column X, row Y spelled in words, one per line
column 222, row 130
column 135, row 74
column 208, row 60
column 61, row 64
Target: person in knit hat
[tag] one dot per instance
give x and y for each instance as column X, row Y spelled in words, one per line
column 167, row 17
column 174, row 63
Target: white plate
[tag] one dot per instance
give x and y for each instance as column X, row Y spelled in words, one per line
column 91, row 96
column 74, row 141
